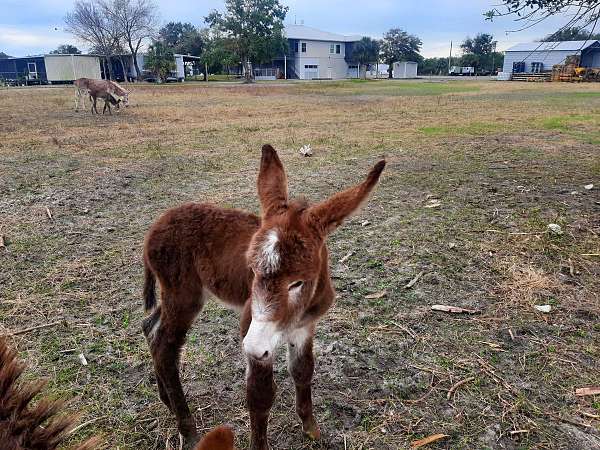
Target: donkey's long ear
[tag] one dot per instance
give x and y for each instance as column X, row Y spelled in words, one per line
column 330, row 214
column 272, row 183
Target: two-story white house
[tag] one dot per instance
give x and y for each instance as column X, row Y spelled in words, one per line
column 313, row 54
column 319, row 54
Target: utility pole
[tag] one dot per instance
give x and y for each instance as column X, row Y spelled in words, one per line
column 450, row 58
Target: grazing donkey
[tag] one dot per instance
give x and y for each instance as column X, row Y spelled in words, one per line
column 108, row 97
column 273, row 268
column 108, row 90
column 26, row 426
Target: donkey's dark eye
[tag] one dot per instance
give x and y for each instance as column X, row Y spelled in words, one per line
column 295, row 285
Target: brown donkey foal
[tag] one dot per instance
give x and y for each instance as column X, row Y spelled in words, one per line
column 273, row 268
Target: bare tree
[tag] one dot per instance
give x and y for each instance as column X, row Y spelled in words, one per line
column 136, row 19
column 89, row 24
column 580, row 13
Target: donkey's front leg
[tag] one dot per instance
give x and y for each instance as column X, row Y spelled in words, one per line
column 301, row 365
column 260, row 394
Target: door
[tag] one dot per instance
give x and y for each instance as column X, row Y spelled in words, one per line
column 311, row 71
column 32, row 69
column 329, row 73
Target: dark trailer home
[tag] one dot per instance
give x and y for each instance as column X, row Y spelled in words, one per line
column 23, row 71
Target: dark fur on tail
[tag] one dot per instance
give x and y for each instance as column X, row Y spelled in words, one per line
column 23, row 426
column 149, row 289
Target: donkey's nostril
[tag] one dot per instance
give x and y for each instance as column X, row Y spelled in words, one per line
column 265, row 355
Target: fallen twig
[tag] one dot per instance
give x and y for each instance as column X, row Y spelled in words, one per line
column 457, row 385
column 405, row 329
column 48, row 213
column 346, row 258
column 512, row 433
column 412, row 282
column 2, row 245
column 38, row 327
column 581, row 392
column 428, row 440
column 85, row 424
column 452, row 309
column 376, row 295
column 515, row 233
column 420, row 399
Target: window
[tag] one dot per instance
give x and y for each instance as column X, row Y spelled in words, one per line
column 338, row 49
column 304, row 47
column 311, row 66
column 296, row 47
column 332, row 48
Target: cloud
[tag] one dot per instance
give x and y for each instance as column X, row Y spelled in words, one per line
column 20, row 40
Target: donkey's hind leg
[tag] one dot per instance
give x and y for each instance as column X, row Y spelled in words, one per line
column 150, row 325
column 179, row 307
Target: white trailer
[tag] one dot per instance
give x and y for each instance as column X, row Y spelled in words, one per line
column 405, row 69
column 65, row 68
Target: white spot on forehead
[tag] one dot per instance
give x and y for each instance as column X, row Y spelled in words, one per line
column 269, row 257
column 260, row 310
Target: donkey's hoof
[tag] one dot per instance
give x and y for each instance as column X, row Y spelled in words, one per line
column 311, row 429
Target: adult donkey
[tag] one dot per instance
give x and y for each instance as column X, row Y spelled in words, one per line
column 273, row 268
column 108, row 90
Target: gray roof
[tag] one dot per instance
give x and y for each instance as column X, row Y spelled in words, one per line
column 569, row 46
column 312, row 34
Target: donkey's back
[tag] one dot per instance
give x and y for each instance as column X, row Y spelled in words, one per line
column 199, row 243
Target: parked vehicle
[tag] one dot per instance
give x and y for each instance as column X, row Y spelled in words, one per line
column 462, row 71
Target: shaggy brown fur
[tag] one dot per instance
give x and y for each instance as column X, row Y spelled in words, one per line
column 23, row 426
column 107, row 90
column 221, row 438
column 274, row 269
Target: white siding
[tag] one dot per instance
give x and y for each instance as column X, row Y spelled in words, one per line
column 405, row 70
column 330, row 65
column 179, row 67
column 548, row 58
column 72, row 67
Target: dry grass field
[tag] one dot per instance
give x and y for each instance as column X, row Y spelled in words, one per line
column 477, row 170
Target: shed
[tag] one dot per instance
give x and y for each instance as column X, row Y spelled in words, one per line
column 67, row 68
column 541, row 56
column 405, row 69
column 187, row 65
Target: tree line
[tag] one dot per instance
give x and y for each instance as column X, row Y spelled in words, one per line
column 248, row 30
column 251, row 31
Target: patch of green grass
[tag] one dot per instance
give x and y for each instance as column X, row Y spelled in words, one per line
column 564, row 123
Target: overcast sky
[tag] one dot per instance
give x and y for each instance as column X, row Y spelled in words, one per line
column 37, row 26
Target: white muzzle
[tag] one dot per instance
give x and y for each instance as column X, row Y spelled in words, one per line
column 262, row 340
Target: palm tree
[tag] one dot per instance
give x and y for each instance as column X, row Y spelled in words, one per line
column 365, row 51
